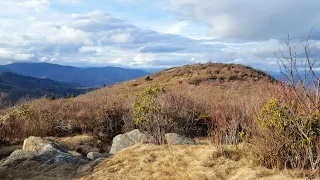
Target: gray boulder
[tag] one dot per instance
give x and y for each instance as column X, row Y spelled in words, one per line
column 43, row 151
column 176, row 139
column 96, row 155
column 57, row 157
column 38, row 143
column 122, row 141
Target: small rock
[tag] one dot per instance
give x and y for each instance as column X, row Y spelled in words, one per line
column 122, row 141
column 96, row 155
column 175, row 139
column 85, row 149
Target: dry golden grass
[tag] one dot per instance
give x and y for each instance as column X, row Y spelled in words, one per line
column 71, row 142
column 154, row 162
column 179, row 162
column 175, row 77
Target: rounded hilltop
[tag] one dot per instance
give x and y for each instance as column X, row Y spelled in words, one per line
column 209, row 74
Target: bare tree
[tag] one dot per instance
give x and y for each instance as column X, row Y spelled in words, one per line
column 303, row 93
column 300, row 73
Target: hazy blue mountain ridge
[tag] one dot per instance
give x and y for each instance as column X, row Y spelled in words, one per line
column 89, row 77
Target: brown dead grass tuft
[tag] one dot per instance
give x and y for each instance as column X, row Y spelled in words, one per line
column 71, row 142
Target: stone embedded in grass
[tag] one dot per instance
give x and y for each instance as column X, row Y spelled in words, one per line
column 175, row 139
column 85, row 149
column 96, row 155
column 128, row 139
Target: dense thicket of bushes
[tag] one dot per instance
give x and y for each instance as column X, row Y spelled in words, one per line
column 286, row 137
column 159, row 113
column 104, row 118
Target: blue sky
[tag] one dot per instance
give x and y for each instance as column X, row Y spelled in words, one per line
column 158, row 33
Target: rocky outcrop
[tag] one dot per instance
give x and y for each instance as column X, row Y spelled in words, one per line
column 176, row 139
column 43, row 151
column 122, row 141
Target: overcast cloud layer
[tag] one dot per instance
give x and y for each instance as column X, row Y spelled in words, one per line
column 141, row 33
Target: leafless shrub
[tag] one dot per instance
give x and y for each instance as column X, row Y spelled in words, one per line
column 287, row 134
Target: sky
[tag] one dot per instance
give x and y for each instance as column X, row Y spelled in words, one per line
column 155, row 34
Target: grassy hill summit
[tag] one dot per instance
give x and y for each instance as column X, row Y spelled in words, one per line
column 240, row 120
column 193, row 75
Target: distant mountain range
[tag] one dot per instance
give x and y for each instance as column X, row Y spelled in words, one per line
column 85, row 77
column 18, row 86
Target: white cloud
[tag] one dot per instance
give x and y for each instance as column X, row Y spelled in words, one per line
column 68, row 35
column 70, row 1
column 14, row 55
column 37, row 5
column 127, row 1
column 43, row 59
column 143, row 59
column 23, row 57
column 121, row 38
column 172, row 28
column 252, row 19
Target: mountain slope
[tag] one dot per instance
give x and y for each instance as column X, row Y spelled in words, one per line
column 84, row 76
column 18, row 86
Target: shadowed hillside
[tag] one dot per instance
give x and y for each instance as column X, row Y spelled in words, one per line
column 89, row 77
column 18, row 86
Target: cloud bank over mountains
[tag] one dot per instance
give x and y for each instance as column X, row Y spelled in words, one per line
column 140, row 33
